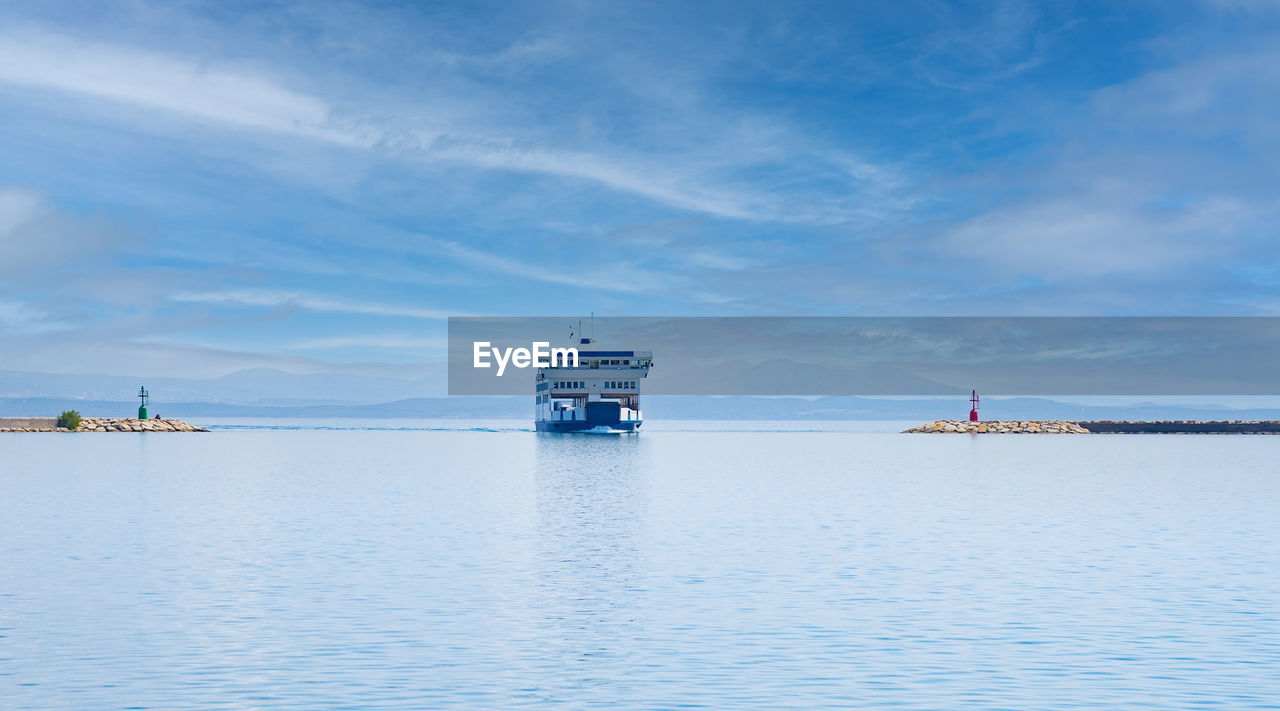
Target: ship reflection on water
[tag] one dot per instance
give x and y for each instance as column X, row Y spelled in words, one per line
column 590, row 495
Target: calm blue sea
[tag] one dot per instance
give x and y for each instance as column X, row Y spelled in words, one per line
column 716, row 565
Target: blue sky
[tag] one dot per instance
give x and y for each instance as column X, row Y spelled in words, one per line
column 189, row 189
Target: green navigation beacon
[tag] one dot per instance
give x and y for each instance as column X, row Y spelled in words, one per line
column 144, row 396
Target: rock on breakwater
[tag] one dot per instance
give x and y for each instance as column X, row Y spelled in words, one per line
column 133, row 424
column 1000, row 427
column 110, row 424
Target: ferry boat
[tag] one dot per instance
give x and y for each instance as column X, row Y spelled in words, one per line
column 600, row 395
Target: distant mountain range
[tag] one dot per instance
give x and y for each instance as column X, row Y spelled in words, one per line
column 265, row 392
column 256, row 386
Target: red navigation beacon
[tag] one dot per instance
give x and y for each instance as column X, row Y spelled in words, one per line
column 973, row 414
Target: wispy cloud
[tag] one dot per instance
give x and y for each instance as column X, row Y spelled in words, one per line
column 178, row 85
column 20, row 317
column 306, row 301
column 36, row 235
column 370, row 340
column 977, row 51
column 1085, row 236
column 220, row 93
column 606, row 277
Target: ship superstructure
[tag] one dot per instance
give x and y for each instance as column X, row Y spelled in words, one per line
column 601, row 394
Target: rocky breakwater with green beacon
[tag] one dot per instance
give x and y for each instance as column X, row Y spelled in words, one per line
column 96, row 424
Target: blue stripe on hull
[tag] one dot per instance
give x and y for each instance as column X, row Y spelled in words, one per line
column 581, row 426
